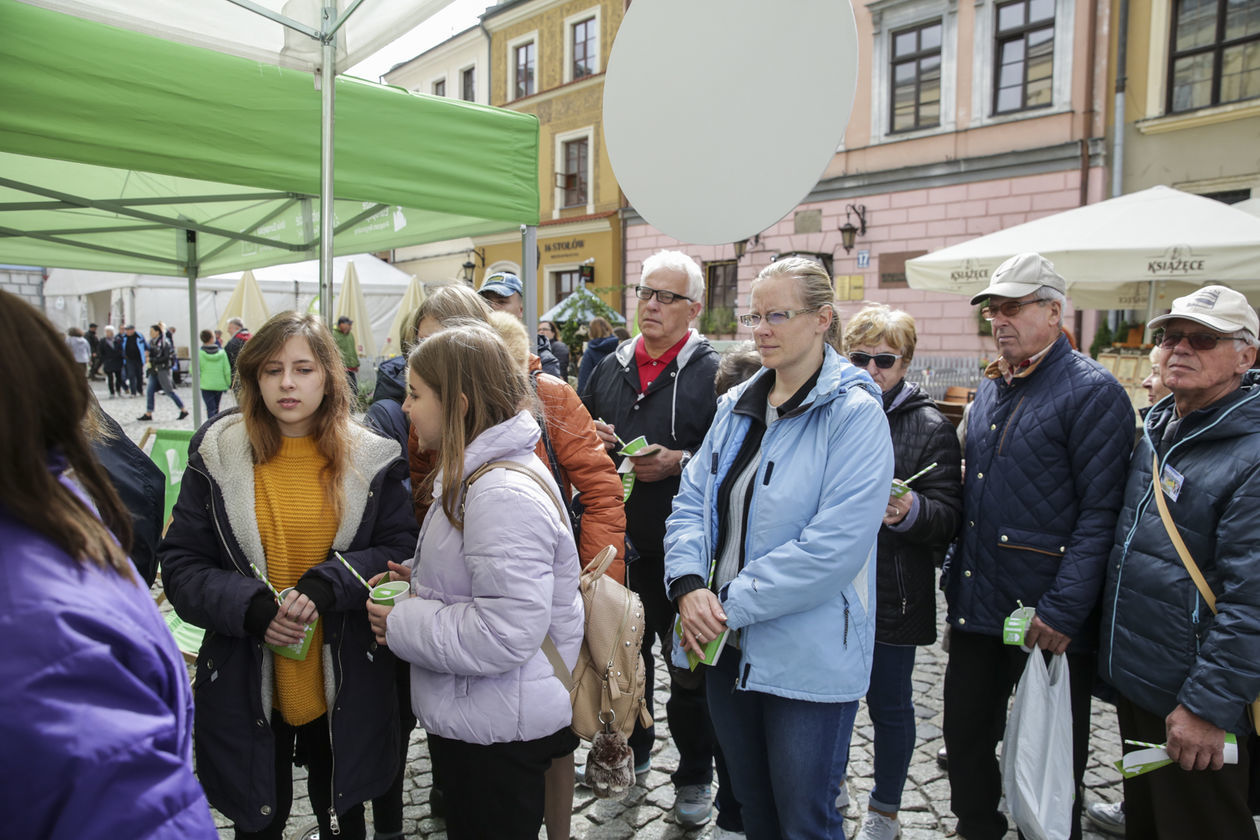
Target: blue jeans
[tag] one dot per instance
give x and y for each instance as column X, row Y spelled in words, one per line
column 160, row 379
column 786, row 757
column 211, row 399
column 889, row 703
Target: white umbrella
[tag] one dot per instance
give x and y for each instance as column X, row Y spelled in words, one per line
column 351, row 304
column 1111, row 252
column 1251, row 205
column 245, row 303
column 411, row 300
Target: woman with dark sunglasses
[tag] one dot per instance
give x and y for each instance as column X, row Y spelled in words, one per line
column 918, row 526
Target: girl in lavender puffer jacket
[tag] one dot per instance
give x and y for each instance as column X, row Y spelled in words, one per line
column 495, row 574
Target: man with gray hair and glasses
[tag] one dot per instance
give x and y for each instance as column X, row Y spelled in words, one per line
column 1181, row 607
column 659, row 385
column 1048, row 439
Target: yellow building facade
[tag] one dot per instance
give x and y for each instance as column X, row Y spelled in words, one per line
column 547, row 58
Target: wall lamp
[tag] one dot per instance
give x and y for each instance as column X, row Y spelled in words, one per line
column 741, row 247
column 469, row 268
column 849, row 233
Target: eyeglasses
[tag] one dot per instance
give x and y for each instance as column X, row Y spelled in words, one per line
column 1008, row 308
column 645, row 293
column 1198, row 341
column 883, row 361
column 775, row 319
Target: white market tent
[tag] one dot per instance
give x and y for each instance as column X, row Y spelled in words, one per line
column 124, row 152
column 1114, row 252
column 147, row 299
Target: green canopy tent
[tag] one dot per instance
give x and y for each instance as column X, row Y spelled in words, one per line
column 125, row 152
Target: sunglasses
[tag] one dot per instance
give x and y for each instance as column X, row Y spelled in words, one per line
column 883, row 361
column 1008, row 308
column 646, row 293
column 1198, row 341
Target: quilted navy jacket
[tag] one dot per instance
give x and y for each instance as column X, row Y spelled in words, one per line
column 1046, row 461
column 906, row 571
column 1161, row 645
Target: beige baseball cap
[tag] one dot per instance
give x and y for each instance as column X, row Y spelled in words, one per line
column 1215, row 307
column 1022, row 275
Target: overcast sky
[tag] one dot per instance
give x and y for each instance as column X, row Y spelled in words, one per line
column 455, row 18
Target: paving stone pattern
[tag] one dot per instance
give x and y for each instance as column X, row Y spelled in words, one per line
column 645, row 810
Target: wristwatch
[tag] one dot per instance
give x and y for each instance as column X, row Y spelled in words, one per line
column 683, row 461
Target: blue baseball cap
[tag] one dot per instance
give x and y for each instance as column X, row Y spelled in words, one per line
column 502, row 284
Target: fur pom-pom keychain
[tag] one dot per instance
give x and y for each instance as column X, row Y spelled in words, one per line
column 609, row 764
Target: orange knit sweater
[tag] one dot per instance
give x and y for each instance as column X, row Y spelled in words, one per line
column 297, row 530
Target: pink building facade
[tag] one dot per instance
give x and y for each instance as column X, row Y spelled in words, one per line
column 969, row 118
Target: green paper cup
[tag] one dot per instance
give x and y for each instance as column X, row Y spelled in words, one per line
column 899, row 488
column 390, row 593
column 1015, row 627
column 634, row 446
column 299, row 650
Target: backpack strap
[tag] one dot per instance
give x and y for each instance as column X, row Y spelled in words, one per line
column 515, row 467
column 548, row 646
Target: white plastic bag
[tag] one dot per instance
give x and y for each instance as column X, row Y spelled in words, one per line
column 1037, row 751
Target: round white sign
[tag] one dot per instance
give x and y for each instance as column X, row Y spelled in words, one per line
column 720, row 115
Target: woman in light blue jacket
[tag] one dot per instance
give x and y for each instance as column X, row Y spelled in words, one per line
column 772, row 539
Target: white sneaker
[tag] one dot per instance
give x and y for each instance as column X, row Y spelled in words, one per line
column 1107, row 816
column 878, row 827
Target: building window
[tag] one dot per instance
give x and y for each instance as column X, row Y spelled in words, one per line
column 563, row 283
column 575, row 184
column 1024, row 50
column 523, row 61
column 468, row 85
column 585, row 35
column 1215, row 53
column 916, row 75
column 439, row 87
column 721, row 286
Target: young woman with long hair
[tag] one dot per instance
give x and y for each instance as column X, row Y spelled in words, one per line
column 271, row 494
column 495, row 576
column 95, row 706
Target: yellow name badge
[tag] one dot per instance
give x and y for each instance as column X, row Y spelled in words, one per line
column 1170, row 482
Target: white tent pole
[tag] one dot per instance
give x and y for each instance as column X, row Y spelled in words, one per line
column 328, row 82
column 190, row 237
column 529, row 265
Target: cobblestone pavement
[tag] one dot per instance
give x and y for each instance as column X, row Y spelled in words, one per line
column 645, row 811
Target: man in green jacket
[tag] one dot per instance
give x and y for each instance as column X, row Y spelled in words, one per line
column 349, row 351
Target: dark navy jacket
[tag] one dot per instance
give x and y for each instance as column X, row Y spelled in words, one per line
column 1046, row 459
column 1161, row 644
column 205, row 566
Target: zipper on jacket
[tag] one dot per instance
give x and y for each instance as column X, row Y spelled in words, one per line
column 333, row 822
column 743, row 683
column 845, row 643
column 713, row 469
column 769, row 469
column 1194, row 621
column 901, row 583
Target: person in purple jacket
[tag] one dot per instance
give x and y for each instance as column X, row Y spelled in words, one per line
column 95, row 703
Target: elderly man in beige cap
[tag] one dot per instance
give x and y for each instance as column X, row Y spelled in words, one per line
column 1048, row 440
column 1183, row 647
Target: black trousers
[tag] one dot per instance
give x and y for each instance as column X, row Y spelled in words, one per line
column 687, row 707
column 1174, row 803
column 497, row 790
column 979, row 679
column 387, row 809
column 313, row 744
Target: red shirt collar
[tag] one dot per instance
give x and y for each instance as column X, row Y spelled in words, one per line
column 650, row 368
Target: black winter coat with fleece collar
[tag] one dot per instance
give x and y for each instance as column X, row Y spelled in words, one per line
column 205, row 567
